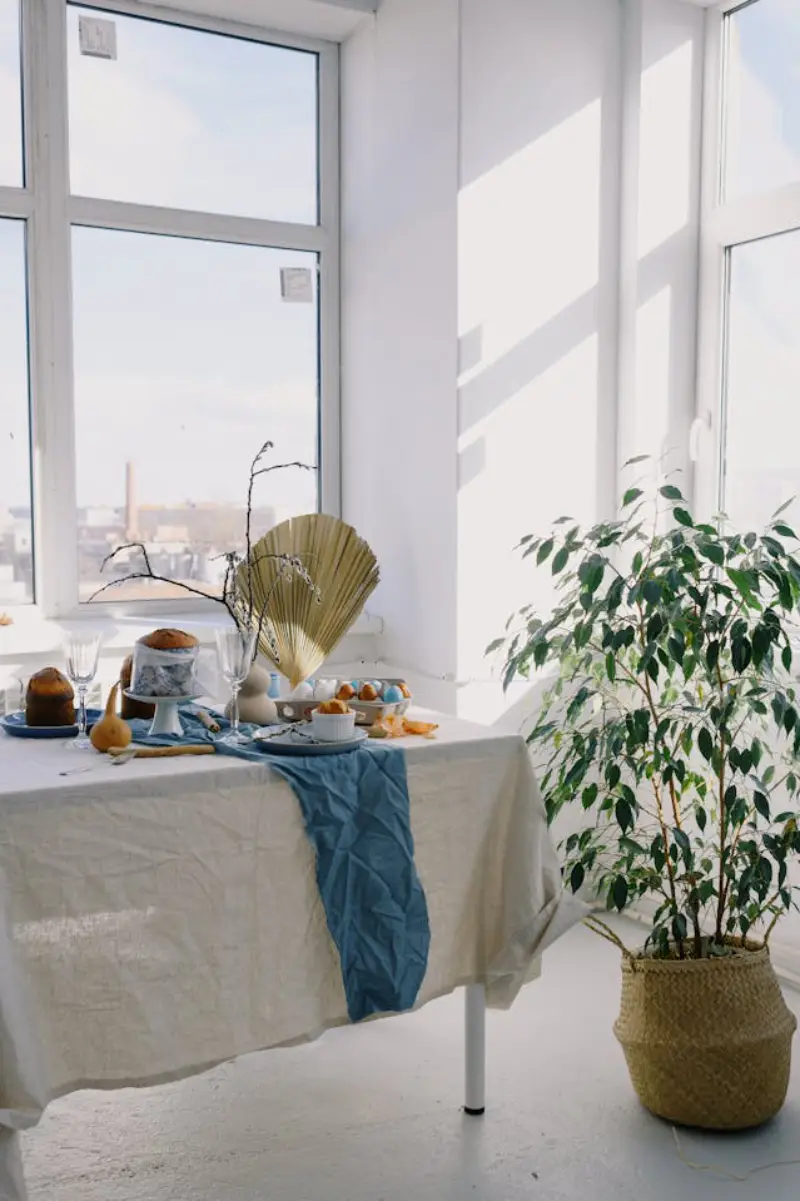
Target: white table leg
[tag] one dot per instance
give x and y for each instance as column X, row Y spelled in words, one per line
column 475, row 1049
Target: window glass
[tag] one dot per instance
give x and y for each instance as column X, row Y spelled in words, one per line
column 762, row 110
column 10, row 97
column 762, row 436
column 16, row 528
column 181, row 118
column 188, row 356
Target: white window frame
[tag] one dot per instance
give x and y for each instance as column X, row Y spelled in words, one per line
column 50, row 210
column 725, row 224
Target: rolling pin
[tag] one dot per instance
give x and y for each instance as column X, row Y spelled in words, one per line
column 160, row 752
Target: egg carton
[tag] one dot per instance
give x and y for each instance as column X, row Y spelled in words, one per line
column 367, row 712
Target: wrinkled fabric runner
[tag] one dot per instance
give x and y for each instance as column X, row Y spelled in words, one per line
column 356, row 813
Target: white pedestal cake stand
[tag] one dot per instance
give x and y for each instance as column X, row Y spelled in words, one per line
column 166, row 719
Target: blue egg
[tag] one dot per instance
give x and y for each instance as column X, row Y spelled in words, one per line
column 392, row 695
column 377, row 685
column 356, row 684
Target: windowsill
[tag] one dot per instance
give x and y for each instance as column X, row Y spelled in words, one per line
column 32, row 636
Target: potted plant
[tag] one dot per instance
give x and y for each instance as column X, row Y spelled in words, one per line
column 672, row 728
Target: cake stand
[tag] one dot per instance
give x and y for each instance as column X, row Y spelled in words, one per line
column 166, row 719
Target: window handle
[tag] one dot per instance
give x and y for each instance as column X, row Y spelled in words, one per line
column 700, row 423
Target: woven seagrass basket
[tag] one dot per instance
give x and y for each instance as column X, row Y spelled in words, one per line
column 707, row 1041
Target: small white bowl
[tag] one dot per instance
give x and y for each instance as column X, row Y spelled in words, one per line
column 333, row 727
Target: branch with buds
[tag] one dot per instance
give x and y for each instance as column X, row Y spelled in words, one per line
column 240, row 604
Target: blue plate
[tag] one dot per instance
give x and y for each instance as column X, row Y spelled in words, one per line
column 15, row 724
column 290, row 741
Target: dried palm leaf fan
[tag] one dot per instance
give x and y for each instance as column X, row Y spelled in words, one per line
column 304, row 625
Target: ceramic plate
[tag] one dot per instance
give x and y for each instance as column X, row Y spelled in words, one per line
column 15, row 724
column 291, row 742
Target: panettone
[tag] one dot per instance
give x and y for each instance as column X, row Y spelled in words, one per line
column 49, row 699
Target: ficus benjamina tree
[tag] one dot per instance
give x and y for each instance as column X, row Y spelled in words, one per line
column 671, row 718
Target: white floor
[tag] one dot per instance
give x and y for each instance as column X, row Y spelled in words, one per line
column 373, row 1114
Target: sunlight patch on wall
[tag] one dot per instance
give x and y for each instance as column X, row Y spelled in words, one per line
column 666, row 148
column 529, row 234
column 653, row 370
column 540, row 461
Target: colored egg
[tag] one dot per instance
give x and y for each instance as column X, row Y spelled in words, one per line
column 378, row 686
column 392, row 694
column 346, row 692
column 367, row 693
column 303, row 692
column 404, row 688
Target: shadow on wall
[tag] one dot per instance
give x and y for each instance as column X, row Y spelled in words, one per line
column 539, row 287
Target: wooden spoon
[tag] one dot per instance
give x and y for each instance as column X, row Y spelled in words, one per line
column 121, row 754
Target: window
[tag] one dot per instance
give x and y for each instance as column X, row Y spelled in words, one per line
column 16, row 532
column 186, row 310
column 751, row 286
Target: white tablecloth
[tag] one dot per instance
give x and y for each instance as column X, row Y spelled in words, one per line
column 162, row 917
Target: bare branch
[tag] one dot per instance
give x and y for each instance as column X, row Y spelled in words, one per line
column 140, row 546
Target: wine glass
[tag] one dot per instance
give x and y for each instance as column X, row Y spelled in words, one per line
column 82, row 650
column 235, row 650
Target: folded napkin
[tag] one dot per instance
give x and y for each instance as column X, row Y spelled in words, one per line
column 356, row 813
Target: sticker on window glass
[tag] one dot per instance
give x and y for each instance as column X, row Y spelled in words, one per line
column 97, row 37
column 296, row 285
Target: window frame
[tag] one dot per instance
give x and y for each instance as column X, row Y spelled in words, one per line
column 724, row 225
column 49, row 209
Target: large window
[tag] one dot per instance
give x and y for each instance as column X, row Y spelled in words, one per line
column 750, row 393
column 168, row 292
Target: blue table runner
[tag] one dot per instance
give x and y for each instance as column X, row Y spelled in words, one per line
column 356, row 813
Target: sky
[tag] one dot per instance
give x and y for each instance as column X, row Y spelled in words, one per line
column 186, row 357
column 763, row 443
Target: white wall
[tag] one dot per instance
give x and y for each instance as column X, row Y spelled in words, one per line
column 519, row 303
column 399, row 352
column 479, row 176
column 538, row 216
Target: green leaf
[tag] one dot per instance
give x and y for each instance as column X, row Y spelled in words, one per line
column 786, row 657
column 611, row 667
column 705, row 744
column 644, row 459
column 589, row 796
column 544, row 551
column 712, row 655
column 630, row 496
column 577, row 876
column 682, row 839
column 613, row 775
column 670, row 492
column 785, row 531
column 495, row 646
column 712, row 551
column 619, row 892
column 762, row 804
column 679, row 928
column 655, row 627
column 741, row 655
column 623, row 814
column 560, row 561
column 677, row 647
column 683, row 517
column 701, row 817
column 652, row 592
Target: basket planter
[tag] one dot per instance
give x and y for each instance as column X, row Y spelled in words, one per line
column 707, row 1041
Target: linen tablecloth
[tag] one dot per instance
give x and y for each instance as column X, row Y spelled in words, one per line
column 162, row 917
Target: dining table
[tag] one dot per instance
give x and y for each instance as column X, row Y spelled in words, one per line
column 162, row 916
